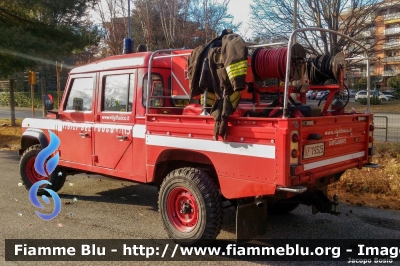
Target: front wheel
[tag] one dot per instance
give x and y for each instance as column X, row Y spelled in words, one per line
column 29, row 176
column 190, row 206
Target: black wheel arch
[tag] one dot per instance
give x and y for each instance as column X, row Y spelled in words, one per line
column 172, row 159
column 33, row 136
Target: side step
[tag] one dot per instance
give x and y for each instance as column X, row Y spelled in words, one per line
column 372, row 165
column 298, row 189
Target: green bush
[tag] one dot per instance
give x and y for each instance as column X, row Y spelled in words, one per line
column 23, row 99
column 373, row 101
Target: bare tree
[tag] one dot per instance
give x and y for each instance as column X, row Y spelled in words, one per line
column 213, row 17
column 113, row 15
column 273, row 19
column 163, row 23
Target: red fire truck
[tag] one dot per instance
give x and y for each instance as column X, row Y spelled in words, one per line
column 108, row 124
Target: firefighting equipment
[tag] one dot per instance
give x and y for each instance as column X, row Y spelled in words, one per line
column 221, row 68
column 196, row 63
column 221, row 110
column 234, row 55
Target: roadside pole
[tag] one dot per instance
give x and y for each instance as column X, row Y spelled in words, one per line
column 32, row 82
column 43, row 87
column 58, row 69
column 33, row 100
column 12, row 102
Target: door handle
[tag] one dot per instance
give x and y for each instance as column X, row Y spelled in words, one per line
column 83, row 135
column 121, row 138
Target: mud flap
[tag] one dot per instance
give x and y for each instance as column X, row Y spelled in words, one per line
column 251, row 219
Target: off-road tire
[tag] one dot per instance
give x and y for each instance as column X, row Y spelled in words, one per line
column 29, row 176
column 203, row 212
column 281, row 207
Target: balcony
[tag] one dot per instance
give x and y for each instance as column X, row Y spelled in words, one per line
column 391, row 59
column 389, row 17
column 391, row 45
column 391, row 31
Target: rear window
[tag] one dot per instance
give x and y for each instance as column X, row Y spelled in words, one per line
column 156, row 89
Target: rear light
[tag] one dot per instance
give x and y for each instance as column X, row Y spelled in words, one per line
column 371, row 139
column 295, row 153
column 295, row 138
column 371, row 127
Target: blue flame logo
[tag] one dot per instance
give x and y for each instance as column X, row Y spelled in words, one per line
column 40, row 164
column 45, row 153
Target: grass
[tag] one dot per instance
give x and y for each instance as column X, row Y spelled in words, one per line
column 381, row 181
column 374, row 187
column 10, row 136
column 384, row 107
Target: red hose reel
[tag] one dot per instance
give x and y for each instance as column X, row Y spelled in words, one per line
column 271, row 63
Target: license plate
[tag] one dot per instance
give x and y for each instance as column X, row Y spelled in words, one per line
column 313, row 150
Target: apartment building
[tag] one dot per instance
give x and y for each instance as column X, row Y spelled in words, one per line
column 382, row 36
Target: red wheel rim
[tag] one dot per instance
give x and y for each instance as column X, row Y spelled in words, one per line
column 182, row 209
column 31, row 173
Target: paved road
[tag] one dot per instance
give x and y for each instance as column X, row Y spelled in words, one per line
column 114, row 209
column 20, row 112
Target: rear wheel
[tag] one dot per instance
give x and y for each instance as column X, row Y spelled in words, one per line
column 190, row 206
column 29, row 176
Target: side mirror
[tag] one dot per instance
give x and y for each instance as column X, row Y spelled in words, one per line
column 48, row 102
column 77, row 104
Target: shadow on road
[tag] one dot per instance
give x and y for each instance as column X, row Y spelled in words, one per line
column 129, row 194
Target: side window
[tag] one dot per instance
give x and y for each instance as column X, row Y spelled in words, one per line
column 81, row 95
column 131, row 94
column 118, row 93
column 156, row 89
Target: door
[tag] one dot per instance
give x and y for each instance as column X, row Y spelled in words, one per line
column 76, row 126
column 114, row 125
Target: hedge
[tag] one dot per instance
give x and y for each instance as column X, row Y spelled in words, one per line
column 23, row 99
column 373, row 101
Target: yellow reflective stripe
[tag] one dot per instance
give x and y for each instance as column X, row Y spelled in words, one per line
column 238, row 72
column 210, row 98
column 235, row 66
column 234, row 98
